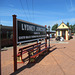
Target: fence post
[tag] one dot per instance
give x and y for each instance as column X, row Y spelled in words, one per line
column 14, row 43
column 46, row 39
column 0, row 49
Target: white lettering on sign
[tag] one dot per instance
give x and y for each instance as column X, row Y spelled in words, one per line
column 27, row 27
column 30, row 28
column 23, row 26
column 36, row 32
column 21, row 37
column 29, row 37
column 40, row 29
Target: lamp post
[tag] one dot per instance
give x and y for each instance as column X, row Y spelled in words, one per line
column 49, row 35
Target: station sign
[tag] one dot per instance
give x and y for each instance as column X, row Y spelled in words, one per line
column 27, row 31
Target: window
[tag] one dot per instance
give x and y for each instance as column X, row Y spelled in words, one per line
column 58, row 33
column 63, row 25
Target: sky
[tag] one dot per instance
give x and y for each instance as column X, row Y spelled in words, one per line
column 42, row 12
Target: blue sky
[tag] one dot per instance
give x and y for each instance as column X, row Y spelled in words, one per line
column 43, row 12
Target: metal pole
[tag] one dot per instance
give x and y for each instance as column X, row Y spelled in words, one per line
column 49, row 36
column 14, row 43
column 0, row 49
column 46, row 39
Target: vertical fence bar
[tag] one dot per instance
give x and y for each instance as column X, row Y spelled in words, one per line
column 46, row 39
column 14, row 43
column 0, row 49
column 37, row 45
column 49, row 36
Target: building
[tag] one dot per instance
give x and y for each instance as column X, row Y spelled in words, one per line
column 6, row 35
column 63, row 31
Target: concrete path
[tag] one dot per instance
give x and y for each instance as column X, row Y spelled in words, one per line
column 60, row 61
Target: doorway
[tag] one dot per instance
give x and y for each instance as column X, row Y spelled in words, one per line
column 63, row 34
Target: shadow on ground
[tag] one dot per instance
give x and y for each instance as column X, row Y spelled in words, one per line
column 29, row 65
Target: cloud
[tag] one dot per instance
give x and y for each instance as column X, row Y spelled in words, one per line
column 36, row 17
column 51, row 23
column 7, row 23
column 71, row 4
column 40, row 17
column 20, row 12
column 72, row 9
column 71, row 21
column 11, row 5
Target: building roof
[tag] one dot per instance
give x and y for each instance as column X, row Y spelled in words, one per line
column 6, row 27
column 63, row 26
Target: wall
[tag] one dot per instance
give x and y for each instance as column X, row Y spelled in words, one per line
column 67, row 35
column 62, row 26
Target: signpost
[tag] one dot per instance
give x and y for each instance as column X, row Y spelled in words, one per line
column 14, row 43
column 24, row 31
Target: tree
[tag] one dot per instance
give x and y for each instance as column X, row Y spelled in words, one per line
column 73, row 28
column 70, row 26
column 67, row 24
column 55, row 27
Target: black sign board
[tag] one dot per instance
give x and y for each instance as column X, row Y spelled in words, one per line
column 27, row 31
